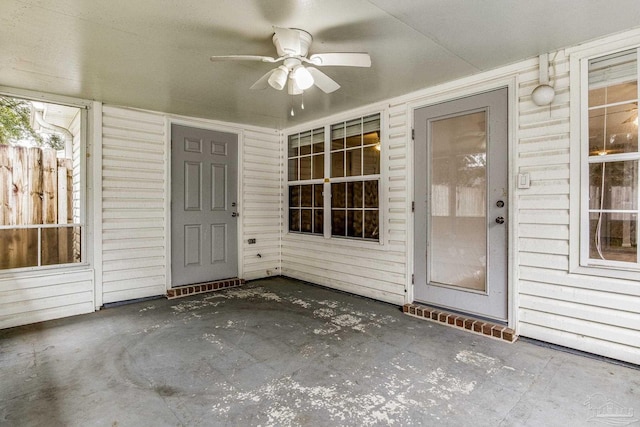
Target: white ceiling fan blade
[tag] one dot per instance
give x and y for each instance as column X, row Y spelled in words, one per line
column 216, row 58
column 341, row 59
column 263, row 82
column 287, row 40
column 324, row 82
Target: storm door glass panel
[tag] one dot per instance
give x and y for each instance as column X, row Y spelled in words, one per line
column 458, row 202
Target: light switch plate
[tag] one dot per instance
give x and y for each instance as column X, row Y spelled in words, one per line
column 524, row 180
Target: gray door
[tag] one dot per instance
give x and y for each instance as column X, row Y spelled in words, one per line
column 204, row 244
column 461, row 205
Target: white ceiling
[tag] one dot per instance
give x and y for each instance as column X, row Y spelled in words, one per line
column 154, row 54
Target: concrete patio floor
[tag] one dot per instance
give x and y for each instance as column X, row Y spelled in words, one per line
column 281, row 352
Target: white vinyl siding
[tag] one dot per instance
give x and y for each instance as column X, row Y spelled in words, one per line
column 133, row 204
column 43, row 297
column 260, row 203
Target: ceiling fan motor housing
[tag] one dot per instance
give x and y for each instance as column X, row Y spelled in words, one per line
column 292, row 46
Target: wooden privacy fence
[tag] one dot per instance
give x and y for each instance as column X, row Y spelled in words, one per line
column 36, row 189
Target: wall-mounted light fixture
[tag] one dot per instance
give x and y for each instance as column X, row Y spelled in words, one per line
column 543, row 94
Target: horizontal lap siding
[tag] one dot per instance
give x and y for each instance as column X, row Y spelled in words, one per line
column 593, row 314
column 364, row 268
column 45, row 297
column 133, row 204
column 261, row 208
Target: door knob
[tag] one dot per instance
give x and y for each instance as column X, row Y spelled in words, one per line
column 500, row 204
column 235, row 214
column 500, row 220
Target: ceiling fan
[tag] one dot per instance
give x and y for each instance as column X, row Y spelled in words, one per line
column 292, row 46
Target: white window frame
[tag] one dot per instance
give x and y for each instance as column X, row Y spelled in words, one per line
column 85, row 108
column 327, row 181
column 579, row 261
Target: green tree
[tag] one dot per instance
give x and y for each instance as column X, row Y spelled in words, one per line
column 14, row 121
column 55, row 141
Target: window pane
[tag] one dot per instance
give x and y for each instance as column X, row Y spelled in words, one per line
column 44, row 179
column 354, row 194
column 337, row 136
column 294, row 196
column 613, row 130
column 305, row 168
column 294, row 219
column 318, row 140
column 371, row 230
column 305, row 220
column 612, row 94
column 371, row 194
column 337, row 164
column 293, row 169
column 318, row 199
column 18, row 248
column 617, row 181
column 612, row 70
column 338, row 223
column 318, row 221
column 306, row 196
column 371, row 138
column 354, row 224
column 293, row 145
column 318, row 166
column 354, row 133
column 338, row 195
column 305, row 143
column 612, row 236
column 58, row 245
column 371, row 163
column 371, row 123
column 354, row 162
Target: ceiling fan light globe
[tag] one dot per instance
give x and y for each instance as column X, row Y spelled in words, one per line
column 278, row 78
column 303, row 78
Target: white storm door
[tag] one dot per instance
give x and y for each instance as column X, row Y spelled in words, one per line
column 461, row 195
column 204, row 244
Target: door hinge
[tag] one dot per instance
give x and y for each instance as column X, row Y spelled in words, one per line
column 413, row 279
column 413, row 134
column 413, row 206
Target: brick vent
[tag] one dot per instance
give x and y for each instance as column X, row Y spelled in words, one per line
column 480, row 327
column 201, row 288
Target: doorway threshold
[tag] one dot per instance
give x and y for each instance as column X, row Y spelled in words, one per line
column 200, row 288
column 461, row 321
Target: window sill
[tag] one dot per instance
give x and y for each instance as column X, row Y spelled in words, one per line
column 613, row 272
column 44, row 271
column 342, row 241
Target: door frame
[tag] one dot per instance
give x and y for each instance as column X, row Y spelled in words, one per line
column 212, row 126
column 446, row 93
